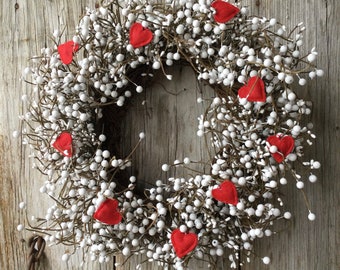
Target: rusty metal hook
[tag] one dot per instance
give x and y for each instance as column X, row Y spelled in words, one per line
column 37, row 246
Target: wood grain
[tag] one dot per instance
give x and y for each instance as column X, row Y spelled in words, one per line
column 27, row 26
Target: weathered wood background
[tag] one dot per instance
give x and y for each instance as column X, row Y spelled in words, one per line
column 26, row 26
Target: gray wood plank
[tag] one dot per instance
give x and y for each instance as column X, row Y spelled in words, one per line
column 305, row 244
column 26, row 28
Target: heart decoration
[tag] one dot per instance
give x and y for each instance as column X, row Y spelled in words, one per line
column 63, row 144
column 66, row 51
column 254, row 90
column 226, row 193
column 139, row 35
column 284, row 143
column 108, row 212
column 183, row 243
column 224, row 11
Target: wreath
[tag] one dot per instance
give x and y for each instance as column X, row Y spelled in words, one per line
column 254, row 125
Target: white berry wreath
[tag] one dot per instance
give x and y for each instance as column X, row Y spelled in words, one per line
column 254, row 124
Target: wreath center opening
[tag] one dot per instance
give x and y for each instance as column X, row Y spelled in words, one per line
column 167, row 113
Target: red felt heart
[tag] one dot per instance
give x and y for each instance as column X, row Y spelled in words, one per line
column 108, row 212
column 284, row 144
column 224, row 11
column 66, row 51
column 63, row 144
column 254, row 90
column 139, row 35
column 183, row 243
column 226, row 193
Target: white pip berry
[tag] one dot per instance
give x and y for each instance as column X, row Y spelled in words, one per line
column 266, row 260
column 253, row 126
column 311, row 216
